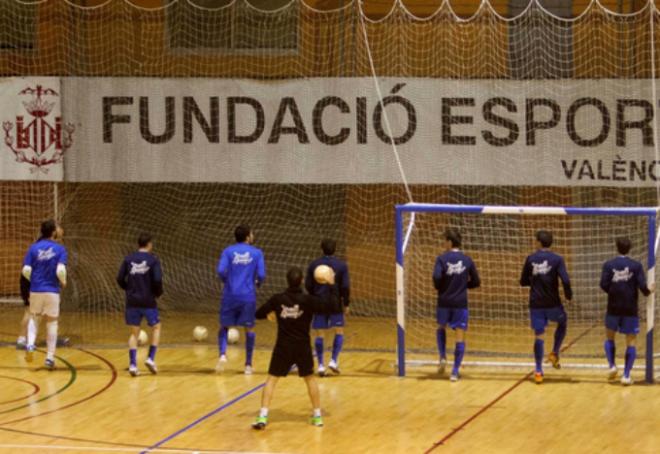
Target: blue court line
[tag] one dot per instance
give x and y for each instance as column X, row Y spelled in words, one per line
column 199, row 420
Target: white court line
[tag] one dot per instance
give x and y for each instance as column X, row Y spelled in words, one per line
column 46, row 448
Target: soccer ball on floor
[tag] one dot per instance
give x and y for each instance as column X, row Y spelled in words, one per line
column 233, row 335
column 200, row 333
column 323, row 274
column 143, row 338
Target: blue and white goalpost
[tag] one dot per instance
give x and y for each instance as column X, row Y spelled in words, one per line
column 499, row 238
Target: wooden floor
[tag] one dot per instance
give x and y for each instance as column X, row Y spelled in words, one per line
column 90, row 404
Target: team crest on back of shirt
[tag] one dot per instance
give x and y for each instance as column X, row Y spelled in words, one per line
column 455, row 268
column 623, row 275
column 139, row 268
column 242, row 259
column 45, row 254
column 540, row 268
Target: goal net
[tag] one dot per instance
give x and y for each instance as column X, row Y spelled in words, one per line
column 515, row 103
column 499, row 238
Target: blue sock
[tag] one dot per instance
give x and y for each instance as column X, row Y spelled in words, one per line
column 441, row 339
column 318, row 346
column 610, row 350
column 538, row 354
column 132, row 356
column 250, row 340
column 631, row 353
column 458, row 356
column 222, row 340
column 336, row 346
column 560, row 334
column 152, row 352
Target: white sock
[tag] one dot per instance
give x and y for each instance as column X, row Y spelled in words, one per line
column 32, row 330
column 316, row 412
column 263, row 413
column 51, row 339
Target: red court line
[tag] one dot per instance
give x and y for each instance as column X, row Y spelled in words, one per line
column 85, row 399
column 501, row 396
column 98, row 442
column 35, row 388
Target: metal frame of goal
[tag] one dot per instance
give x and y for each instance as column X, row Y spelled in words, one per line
column 402, row 235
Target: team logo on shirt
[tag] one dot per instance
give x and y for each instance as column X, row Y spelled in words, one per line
column 38, row 141
column 623, row 275
column 291, row 312
column 242, row 259
column 45, row 254
column 540, row 268
column 455, row 268
column 139, row 268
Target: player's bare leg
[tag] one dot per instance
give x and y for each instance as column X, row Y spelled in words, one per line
column 132, row 350
column 51, row 341
column 315, row 398
column 22, row 335
column 266, row 397
column 250, row 341
column 150, row 362
column 610, row 353
column 631, row 354
column 538, row 357
column 337, row 345
column 32, row 336
column 441, row 340
column 458, row 354
column 319, row 349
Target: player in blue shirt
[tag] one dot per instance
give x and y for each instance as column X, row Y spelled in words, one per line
column 541, row 272
column 453, row 275
column 27, row 323
column 45, row 267
column 241, row 269
column 326, row 321
column 141, row 276
column 622, row 279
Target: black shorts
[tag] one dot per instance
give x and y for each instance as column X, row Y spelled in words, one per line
column 284, row 357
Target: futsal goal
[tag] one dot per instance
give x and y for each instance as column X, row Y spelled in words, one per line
column 499, row 238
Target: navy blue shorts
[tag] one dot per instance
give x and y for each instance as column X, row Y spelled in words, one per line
column 455, row 318
column 235, row 313
column 539, row 318
column 325, row 321
column 624, row 325
column 134, row 316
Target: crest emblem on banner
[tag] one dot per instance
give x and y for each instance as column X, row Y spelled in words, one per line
column 38, row 140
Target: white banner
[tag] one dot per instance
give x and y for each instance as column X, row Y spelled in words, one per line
column 34, row 138
column 333, row 130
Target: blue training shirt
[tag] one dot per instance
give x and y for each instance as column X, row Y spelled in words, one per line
column 453, row 275
column 241, row 268
column 44, row 256
column 342, row 281
column 541, row 272
column 141, row 276
column 621, row 279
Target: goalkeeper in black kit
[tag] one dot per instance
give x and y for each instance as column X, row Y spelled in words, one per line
column 294, row 311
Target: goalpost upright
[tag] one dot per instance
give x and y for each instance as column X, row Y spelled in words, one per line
column 403, row 232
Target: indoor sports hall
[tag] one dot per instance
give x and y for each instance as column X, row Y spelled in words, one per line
column 152, row 148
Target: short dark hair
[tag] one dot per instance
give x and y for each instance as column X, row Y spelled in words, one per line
column 623, row 245
column 241, row 233
column 48, row 228
column 453, row 235
column 544, row 237
column 329, row 246
column 144, row 239
column 294, row 277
